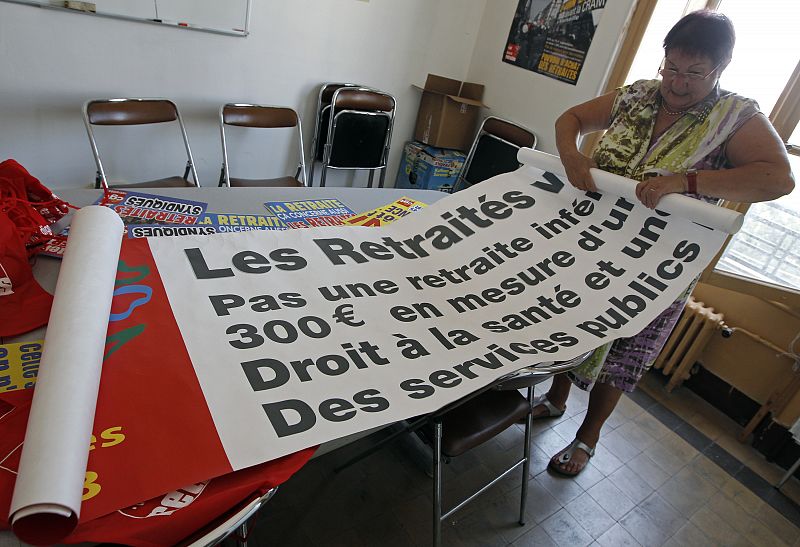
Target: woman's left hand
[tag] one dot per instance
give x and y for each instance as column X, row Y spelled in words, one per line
column 653, row 189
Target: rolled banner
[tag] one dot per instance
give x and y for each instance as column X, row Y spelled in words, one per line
column 698, row 211
column 47, row 495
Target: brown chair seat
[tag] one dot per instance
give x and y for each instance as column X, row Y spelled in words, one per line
column 279, row 182
column 480, row 419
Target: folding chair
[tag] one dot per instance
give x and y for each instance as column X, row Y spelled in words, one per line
column 126, row 112
column 494, row 151
column 322, row 116
column 265, row 117
column 234, row 521
column 359, row 132
column 473, row 420
column 470, row 423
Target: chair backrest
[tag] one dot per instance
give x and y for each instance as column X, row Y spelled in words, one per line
column 260, row 116
column 494, row 151
column 360, row 128
column 130, row 111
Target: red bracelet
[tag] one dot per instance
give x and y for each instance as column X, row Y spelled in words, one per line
column 691, row 180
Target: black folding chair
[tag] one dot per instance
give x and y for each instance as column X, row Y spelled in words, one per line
column 322, row 117
column 359, row 132
column 494, row 151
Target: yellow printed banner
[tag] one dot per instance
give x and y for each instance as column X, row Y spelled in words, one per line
column 386, row 213
column 19, row 365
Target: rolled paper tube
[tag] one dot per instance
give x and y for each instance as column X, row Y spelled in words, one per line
column 698, row 211
column 47, row 495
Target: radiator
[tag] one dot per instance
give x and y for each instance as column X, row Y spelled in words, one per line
column 695, row 327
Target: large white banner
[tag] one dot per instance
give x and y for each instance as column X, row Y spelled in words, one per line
column 229, row 350
column 305, row 336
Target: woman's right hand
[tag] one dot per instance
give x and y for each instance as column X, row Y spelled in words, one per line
column 577, row 167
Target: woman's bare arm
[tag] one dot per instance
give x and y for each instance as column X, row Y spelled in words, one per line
column 581, row 119
column 761, row 170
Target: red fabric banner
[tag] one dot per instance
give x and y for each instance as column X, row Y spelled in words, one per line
column 153, row 432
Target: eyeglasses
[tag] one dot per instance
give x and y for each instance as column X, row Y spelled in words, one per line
column 691, row 76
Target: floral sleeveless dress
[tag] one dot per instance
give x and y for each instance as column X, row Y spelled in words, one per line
column 698, row 140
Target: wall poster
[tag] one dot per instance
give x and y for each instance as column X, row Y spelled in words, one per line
column 553, row 37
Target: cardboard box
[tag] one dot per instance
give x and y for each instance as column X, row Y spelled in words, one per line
column 429, row 168
column 448, row 112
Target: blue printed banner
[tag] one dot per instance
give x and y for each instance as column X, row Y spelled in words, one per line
column 307, row 213
column 141, row 208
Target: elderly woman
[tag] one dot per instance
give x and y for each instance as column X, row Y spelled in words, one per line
column 683, row 134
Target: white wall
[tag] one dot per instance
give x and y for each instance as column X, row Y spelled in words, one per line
column 531, row 99
column 51, row 62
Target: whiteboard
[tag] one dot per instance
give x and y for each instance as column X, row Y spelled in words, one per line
column 230, row 17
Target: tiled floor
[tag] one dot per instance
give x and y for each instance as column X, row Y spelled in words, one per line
column 668, row 471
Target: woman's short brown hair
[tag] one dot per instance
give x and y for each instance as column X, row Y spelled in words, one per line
column 702, row 32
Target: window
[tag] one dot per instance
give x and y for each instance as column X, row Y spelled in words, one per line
column 764, row 67
column 767, row 248
column 651, row 51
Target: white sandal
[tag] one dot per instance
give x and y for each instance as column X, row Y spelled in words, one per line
column 552, row 410
column 556, row 464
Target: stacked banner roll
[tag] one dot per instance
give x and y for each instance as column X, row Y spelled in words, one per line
column 47, row 494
